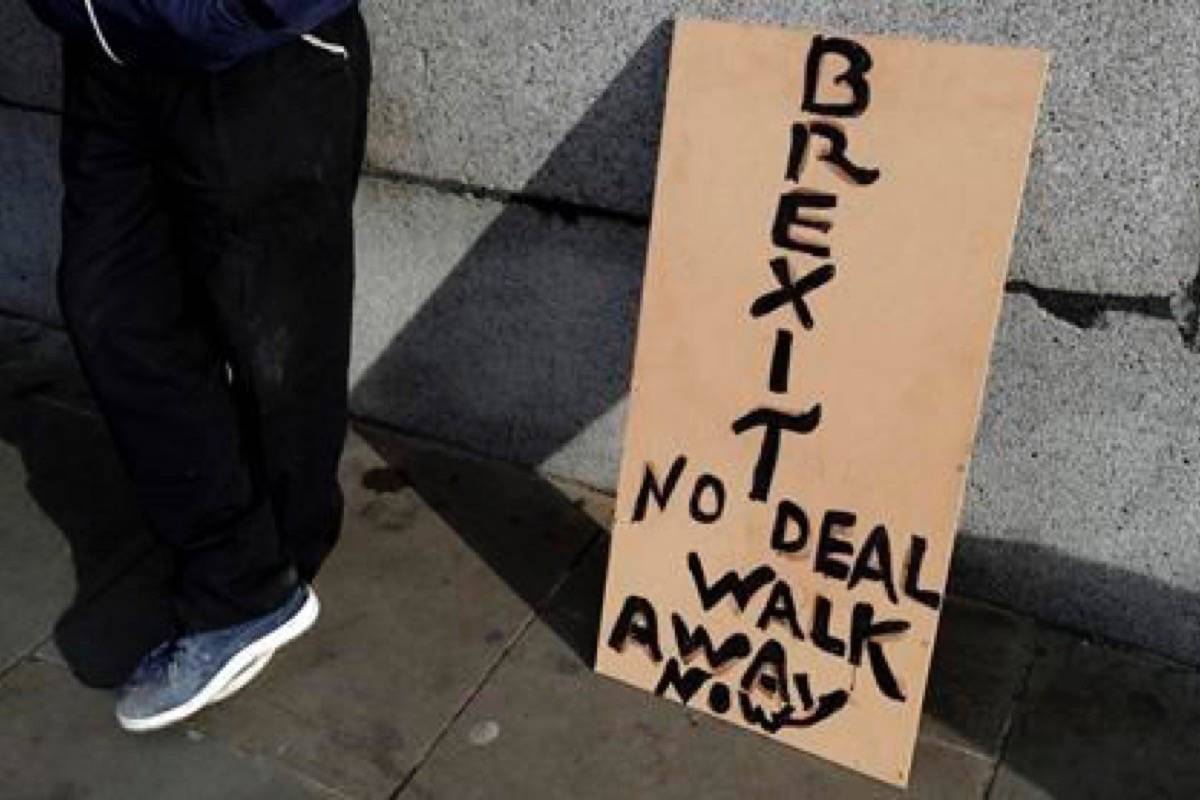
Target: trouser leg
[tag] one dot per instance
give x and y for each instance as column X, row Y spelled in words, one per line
column 148, row 350
column 267, row 156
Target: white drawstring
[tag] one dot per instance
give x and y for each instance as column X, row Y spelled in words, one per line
column 328, row 47
column 100, row 34
column 315, row 41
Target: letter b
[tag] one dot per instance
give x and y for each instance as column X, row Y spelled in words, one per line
column 854, row 77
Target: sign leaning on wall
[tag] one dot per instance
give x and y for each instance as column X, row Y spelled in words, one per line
column 832, row 222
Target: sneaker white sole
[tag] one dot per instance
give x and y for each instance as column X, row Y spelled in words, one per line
column 217, row 687
column 243, row 678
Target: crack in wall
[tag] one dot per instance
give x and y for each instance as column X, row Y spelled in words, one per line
column 1087, row 310
column 568, row 210
column 1083, row 310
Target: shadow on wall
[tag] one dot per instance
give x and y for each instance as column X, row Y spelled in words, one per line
column 121, row 606
column 529, row 339
column 1043, row 582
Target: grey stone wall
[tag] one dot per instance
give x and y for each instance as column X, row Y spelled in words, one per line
column 502, row 227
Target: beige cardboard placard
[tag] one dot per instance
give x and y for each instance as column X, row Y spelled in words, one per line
column 831, row 230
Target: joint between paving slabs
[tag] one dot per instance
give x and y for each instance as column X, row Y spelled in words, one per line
column 535, row 613
column 518, row 634
column 24, row 657
column 1019, row 697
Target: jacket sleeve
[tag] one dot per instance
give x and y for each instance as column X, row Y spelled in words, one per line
column 209, row 34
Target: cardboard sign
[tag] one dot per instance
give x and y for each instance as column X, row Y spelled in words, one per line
column 831, row 230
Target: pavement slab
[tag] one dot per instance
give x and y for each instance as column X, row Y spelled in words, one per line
column 980, row 660
column 1100, row 722
column 979, row 663
column 78, row 557
column 36, row 575
column 35, row 572
column 546, row 726
column 413, row 619
column 59, row 740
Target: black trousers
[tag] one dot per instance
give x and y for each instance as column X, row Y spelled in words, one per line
column 206, row 282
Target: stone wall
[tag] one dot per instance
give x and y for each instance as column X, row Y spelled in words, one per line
column 502, row 224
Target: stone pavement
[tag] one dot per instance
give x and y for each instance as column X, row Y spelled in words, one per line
column 452, row 657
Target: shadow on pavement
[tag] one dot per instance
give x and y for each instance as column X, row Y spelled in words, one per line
column 1057, row 705
column 529, row 339
column 524, row 527
column 1035, row 579
column 1126, row 720
column 121, row 606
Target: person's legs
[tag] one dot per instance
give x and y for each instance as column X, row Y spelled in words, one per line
column 265, row 162
column 157, row 372
column 206, row 280
column 261, row 165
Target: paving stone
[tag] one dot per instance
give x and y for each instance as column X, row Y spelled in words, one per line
column 36, row 579
column 981, row 655
column 48, row 652
column 36, row 576
column 528, row 529
column 59, row 740
column 115, row 604
column 1102, row 723
column 412, row 619
column 980, row 658
column 70, row 496
column 442, row 558
column 545, row 726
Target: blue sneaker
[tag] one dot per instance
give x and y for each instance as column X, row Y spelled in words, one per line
column 182, row 676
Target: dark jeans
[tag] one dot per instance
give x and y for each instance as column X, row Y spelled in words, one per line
column 206, row 282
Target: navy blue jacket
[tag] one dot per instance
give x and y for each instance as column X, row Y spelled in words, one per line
column 211, row 34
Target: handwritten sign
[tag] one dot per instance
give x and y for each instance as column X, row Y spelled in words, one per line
column 831, row 230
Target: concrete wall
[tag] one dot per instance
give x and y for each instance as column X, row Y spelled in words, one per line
column 502, row 226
